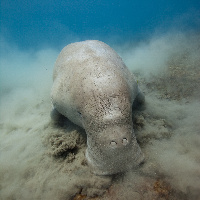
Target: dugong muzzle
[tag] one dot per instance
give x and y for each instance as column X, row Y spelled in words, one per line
column 94, row 89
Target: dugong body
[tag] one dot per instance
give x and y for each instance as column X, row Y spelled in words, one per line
column 94, row 89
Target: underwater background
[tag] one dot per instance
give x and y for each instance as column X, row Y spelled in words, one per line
column 160, row 43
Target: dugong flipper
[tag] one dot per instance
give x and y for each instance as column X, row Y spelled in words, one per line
column 94, row 89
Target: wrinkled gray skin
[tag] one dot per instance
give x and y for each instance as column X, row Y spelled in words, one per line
column 94, row 89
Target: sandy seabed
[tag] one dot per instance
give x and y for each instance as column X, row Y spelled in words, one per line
column 43, row 160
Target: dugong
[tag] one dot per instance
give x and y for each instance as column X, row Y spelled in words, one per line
column 94, row 89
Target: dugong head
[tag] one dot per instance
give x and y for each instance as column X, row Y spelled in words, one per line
column 111, row 142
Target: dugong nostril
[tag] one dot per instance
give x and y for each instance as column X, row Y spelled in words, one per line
column 125, row 141
column 113, row 143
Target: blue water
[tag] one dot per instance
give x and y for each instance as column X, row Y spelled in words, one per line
column 33, row 24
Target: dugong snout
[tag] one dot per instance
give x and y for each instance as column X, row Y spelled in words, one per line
column 113, row 151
